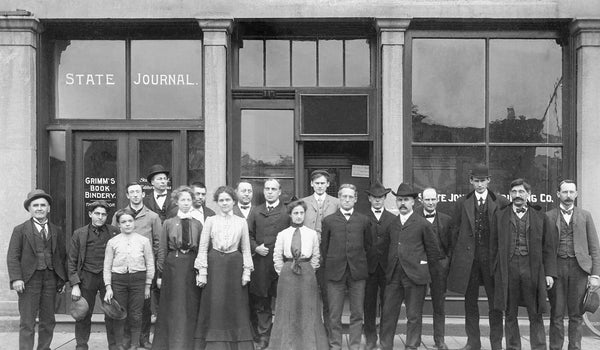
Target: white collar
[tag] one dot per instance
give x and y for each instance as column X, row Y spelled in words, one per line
column 274, row 204
column 425, row 212
column 344, row 211
column 563, row 207
column 406, row 216
column 481, row 195
column 321, row 197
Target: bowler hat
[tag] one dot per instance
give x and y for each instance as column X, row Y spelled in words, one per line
column 591, row 301
column 79, row 309
column 320, row 172
column 480, row 170
column 156, row 169
column 114, row 310
column 406, row 190
column 35, row 194
column 377, row 189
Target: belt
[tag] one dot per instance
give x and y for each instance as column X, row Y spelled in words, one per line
column 296, row 268
column 184, row 252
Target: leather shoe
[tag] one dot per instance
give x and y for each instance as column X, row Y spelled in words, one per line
column 470, row 347
column 371, row 346
column 146, row 345
column 441, row 346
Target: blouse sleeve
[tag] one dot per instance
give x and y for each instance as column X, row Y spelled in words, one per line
column 278, row 253
column 201, row 263
column 246, row 254
column 316, row 253
column 108, row 262
column 162, row 248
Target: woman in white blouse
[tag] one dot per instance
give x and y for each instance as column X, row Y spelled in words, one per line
column 224, row 264
column 298, row 323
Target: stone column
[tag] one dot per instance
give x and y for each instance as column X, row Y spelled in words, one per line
column 391, row 33
column 215, row 44
column 18, row 45
column 586, row 35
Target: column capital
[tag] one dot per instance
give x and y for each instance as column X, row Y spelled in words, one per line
column 216, row 31
column 19, row 30
column 586, row 32
column 392, row 30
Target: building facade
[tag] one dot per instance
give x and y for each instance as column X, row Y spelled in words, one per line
column 95, row 92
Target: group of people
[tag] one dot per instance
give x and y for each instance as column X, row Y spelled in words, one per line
column 213, row 278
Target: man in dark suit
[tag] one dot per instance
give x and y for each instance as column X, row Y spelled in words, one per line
column 413, row 247
column 470, row 265
column 245, row 192
column 36, row 268
column 264, row 224
column 441, row 224
column 578, row 265
column 159, row 199
column 199, row 211
column 319, row 205
column 345, row 240
column 523, row 263
column 376, row 259
column 85, row 264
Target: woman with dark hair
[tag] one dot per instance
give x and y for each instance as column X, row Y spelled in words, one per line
column 297, row 323
column 180, row 297
column 224, row 264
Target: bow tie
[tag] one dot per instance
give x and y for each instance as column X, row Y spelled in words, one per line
column 270, row 208
column 427, row 216
column 161, row 195
column 348, row 214
column 566, row 212
column 244, row 207
column 378, row 211
column 521, row 210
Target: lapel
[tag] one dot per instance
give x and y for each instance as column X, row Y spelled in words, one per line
column 326, row 202
column 557, row 222
column 410, row 221
column 29, row 232
column 53, row 237
column 470, row 208
column 491, row 203
column 313, row 202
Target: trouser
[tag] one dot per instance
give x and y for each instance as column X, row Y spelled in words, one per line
column 145, row 325
column 480, row 273
column 322, row 283
column 520, row 288
column 336, row 292
column 91, row 284
column 439, row 274
column 566, row 297
column 38, row 297
column 374, row 289
column 401, row 289
column 263, row 316
column 128, row 290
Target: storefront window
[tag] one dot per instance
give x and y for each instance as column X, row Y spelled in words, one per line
column 304, row 69
column 335, row 114
column 278, row 61
column 153, row 152
column 331, row 63
column 195, row 156
column 57, row 186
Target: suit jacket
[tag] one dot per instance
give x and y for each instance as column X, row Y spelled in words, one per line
column 263, row 227
column 21, row 258
column 377, row 255
column 463, row 238
column 414, row 246
column 442, row 224
column 77, row 250
column 541, row 253
column 207, row 212
column 345, row 243
column 238, row 212
column 585, row 238
column 170, row 206
column 312, row 218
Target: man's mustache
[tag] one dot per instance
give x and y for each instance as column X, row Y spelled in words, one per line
column 521, row 198
column 403, row 207
column 568, row 200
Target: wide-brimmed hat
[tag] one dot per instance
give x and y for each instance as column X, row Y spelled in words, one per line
column 320, row 172
column 377, row 189
column 156, row 169
column 591, row 301
column 480, row 170
column 405, row 190
column 79, row 309
column 114, row 310
column 35, row 194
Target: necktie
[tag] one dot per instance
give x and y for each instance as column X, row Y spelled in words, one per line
column 185, row 233
column 161, row 195
column 320, row 202
column 245, row 207
column 566, row 212
column 296, row 248
column 481, row 203
column 427, row 216
column 521, row 210
column 43, row 232
column 378, row 211
column 269, row 208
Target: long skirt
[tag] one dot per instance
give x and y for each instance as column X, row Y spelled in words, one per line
column 298, row 324
column 224, row 316
column 179, row 303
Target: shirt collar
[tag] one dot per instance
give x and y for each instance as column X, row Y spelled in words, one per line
column 565, row 208
column 229, row 213
column 406, row 216
column 514, row 207
column 321, row 197
column 274, row 204
column 425, row 212
column 380, row 210
column 344, row 211
column 482, row 195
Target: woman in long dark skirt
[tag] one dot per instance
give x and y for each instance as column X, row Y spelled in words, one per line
column 224, row 272
column 298, row 324
column 180, row 296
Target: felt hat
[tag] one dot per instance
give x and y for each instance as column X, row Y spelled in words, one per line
column 35, row 194
column 79, row 309
column 480, row 170
column 114, row 310
column 377, row 189
column 156, row 169
column 320, row 172
column 591, row 301
column 405, row 190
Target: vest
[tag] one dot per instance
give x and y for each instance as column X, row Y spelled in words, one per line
column 566, row 248
column 43, row 251
column 95, row 249
column 482, row 228
column 519, row 234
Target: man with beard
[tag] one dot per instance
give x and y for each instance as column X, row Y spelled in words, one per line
column 199, row 211
column 578, row 264
column 524, row 264
column 244, row 193
column 85, row 266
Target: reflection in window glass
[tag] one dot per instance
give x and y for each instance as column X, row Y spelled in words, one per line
column 358, row 63
column 57, row 186
column 331, row 63
column 278, row 62
column 448, row 90
column 251, row 63
column 540, row 166
column 153, row 152
column 195, row 156
column 100, row 168
column 304, row 63
column 166, row 79
column 268, row 154
column 287, row 189
column 90, row 79
column 525, row 91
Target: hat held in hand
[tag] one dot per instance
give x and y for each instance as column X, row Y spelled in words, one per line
column 79, row 309
column 114, row 310
column 591, row 301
